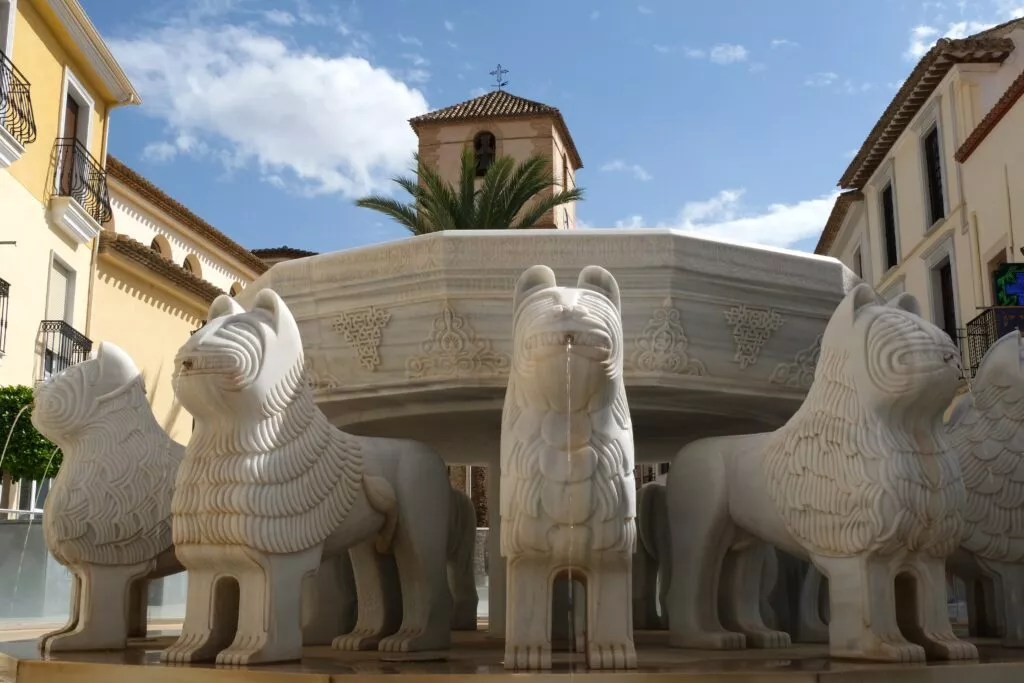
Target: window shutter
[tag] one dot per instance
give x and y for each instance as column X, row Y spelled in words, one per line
column 56, row 297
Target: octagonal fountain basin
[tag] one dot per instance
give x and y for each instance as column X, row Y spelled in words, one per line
column 413, row 338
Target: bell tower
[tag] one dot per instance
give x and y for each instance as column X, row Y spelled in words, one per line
column 501, row 124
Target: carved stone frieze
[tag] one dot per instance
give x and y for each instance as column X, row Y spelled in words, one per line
column 453, row 349
column 363, row 328
column 751, row 327
column 800, row 373
column 661, row 347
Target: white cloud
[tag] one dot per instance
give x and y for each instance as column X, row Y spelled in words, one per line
column 923, row 37
column 279, row 17
column 159, row 151
column 724, row 217
column 778, row 43
column 694, row 53
column 848, row 87
column 618, row 165
column 315, row 123
column 416, row 59
column 643, row 9
column 821, row 80
column 409, row 40
column 726, row 53
column 663, row 49
column 478, row 92
column 448, row 26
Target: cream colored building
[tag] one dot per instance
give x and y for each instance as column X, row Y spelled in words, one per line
column 90, row 250
column 933, row 201
column 501, row 124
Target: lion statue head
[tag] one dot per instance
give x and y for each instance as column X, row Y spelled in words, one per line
column 567, row 341
column 73, row 399
column 240, row 364
column 899, row 362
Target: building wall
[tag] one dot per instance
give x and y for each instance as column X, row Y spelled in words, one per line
column 134, row 218
column 150, row 321
column 441, row 145
column 43, row 61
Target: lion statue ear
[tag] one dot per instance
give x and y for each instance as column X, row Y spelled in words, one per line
column 222, row 306
column 271, row 302
column 532, row 279
column 859, row 297
column 115, row 363
column 597, row 279
column 907, row 302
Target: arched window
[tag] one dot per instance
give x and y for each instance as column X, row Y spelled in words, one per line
column 236, row 289
column 191, row 265
column 161, row 246
column 485, row 148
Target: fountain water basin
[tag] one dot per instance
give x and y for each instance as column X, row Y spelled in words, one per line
column 413, row 338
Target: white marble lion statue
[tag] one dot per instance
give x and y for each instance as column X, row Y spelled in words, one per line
column 107, row 517
column 986, row 431
column 568, row 498
column 268, row 486
column 861, row 481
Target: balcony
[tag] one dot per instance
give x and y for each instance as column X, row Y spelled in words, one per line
column 984, row 330
column 17, row 122
column 5, row 294
column 81, row 202
column 63, row 346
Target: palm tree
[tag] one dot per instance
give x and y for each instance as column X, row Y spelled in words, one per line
column 511, row 196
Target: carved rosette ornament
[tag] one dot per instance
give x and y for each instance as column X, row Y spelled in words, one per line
column 363, row 329
column 800, row 373
column 661, row 347
column 454, row 350
column 751, row 328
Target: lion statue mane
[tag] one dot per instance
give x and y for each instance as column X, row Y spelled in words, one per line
column 269, row 487
column 107, row 517
column 568, row 497
column 860, row 480
column 986, row 430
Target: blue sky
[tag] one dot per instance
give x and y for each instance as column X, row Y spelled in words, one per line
column 731, row 118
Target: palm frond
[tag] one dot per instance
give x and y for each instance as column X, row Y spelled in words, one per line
column 532, row 215
column 403, row 214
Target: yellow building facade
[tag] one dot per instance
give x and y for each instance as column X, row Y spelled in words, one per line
column 59, row 84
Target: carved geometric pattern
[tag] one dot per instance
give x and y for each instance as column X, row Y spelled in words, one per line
column 454, row 350
column 661, row 347
column 800, row 373
column 363, row 328
column 751, row 328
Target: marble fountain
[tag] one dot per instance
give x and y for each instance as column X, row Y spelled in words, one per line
column 422, row 340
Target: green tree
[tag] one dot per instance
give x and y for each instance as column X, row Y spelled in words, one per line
column 511, row 196
column 28, row 451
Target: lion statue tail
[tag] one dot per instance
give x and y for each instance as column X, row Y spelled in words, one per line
column 381, row 497
column 646, row 513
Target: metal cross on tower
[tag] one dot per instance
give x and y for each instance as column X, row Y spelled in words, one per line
column 499, row 75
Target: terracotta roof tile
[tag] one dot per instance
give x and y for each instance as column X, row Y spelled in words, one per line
column 499, row 104
column 126, row 247
column 915, row 91
column 835, row 220
column 175, row 209
column 991, row 119
column 282, row 252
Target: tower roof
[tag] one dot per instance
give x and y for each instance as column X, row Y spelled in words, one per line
column 499, row 104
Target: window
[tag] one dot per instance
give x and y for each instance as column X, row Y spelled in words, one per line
column 155, row 246
column 945, row 298
column 73, row 137
column 933, row 176
column 191, row 265
column 5, row 293
column 858, row 263
column 236, row 289
column 187, row 265
column 892, row 256
column 565, row 173
column 484, row 147
column 59, row 297
column 7, row 12
column 993, row 266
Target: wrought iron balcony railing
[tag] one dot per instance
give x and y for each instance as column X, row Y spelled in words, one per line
column 5, row 295
column 16, row 115
column 985, row 329
column 82, row 178
column 63, row 346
